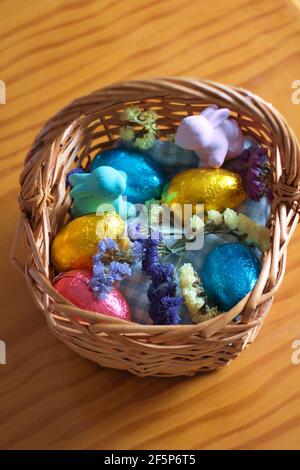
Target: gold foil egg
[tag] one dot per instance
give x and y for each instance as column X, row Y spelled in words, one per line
column 217, row 189
column 75, row 245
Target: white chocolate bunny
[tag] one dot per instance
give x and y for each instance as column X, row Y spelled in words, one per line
column 212, row 136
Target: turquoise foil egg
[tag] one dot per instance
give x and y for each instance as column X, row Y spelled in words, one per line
column 229, row 272
column 145, row 180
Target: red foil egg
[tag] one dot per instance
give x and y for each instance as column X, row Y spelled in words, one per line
column 74, row 286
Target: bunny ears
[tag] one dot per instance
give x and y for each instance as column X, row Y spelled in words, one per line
column 212, row 135
column 215, row 115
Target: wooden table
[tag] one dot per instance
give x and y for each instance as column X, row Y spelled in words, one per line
column 53, row 51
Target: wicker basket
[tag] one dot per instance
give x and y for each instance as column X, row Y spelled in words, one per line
column 72, row 138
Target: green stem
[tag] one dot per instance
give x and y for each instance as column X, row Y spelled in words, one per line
column 179, row 246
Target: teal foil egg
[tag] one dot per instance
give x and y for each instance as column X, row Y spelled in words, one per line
column 144, row 179
column 229, row 272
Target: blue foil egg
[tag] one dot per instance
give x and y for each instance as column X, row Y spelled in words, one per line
column 144, row 178
column 229, row 272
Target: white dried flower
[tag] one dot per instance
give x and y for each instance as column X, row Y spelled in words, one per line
column 231, row 219
column 214, row 217
column 127, row 133
column 197, row 223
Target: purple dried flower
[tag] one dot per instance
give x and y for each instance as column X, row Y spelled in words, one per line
column 172, row 307
column 254, row 167
column 137, row 250
column 101, row 283
column 164, row 290
column 98, row 268
column 105, row 245
column 106, row 275
column 118, row 271
column 74, row 171
column 150, row 255
column 238, row 165
column 150, row 258
column 138, row 238
column 258, row 176
column 164, row 304
column 134, row 231
column 165, row 310
column 162, row 273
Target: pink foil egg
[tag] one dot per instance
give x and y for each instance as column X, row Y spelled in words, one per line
column 74, row 286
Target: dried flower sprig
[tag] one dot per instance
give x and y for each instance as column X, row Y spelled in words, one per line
column 214, row 217
column 194, row 295
column 254, row 167
column 227, row 223
column 242, row 226
column 127, row 133
column 144, row 137
column 110, row 265
column 165, row 305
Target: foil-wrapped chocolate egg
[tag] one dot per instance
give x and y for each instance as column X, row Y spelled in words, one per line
column 217, row 189
column 145, row 180
column 74, row 286
column 228, row 273
column 76, row 244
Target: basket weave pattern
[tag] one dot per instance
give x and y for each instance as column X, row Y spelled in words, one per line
column 71, row 139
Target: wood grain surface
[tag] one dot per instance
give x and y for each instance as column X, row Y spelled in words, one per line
column 53, row 51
